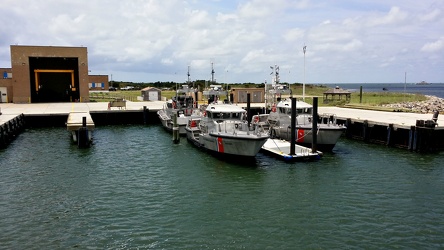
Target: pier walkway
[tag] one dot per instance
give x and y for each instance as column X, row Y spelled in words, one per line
column 381, row 117
column 397, row 129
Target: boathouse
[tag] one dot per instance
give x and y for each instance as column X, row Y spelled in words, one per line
column 48, row 74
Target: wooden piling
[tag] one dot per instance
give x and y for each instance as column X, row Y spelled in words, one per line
column 145, row 115
column 411, row 138
column 314, row 129
column 176, row 137
column 292, row 126
column 365, row 131
column 389, row 134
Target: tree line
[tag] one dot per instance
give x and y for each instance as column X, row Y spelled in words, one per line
column 199, row 84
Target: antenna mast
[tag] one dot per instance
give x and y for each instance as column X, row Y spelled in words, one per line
column 212, row 73
column 188, row 74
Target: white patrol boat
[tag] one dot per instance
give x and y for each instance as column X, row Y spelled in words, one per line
column 279, row 122
column 224, row 129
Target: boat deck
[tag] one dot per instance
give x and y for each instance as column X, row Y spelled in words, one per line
column 281, row 149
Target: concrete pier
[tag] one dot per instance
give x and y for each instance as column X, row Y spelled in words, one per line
column 394, row 129
column 80, row 125
column 411, row 131
column 75, row 121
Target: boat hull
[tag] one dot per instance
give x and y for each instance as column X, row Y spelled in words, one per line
column 167, row 122
column 246, row 146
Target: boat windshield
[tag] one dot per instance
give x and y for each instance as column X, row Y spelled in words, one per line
column 227, row 115
column 305, row 111
column 287, row 111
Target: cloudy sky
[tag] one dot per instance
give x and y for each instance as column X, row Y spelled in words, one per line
column 347, row 41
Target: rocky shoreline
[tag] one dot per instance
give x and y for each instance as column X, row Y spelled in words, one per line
column 430, row 105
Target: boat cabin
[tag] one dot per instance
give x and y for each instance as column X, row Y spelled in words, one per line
column 181, row 101
column 302, row 108
column 221, row 113
column 299, row 111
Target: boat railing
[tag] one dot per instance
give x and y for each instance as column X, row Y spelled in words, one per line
column 260, row 123
column 327, row 118
column 304, row 119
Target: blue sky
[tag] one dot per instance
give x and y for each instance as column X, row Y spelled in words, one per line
column 151, row 40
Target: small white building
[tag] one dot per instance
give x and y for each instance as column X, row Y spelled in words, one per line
column 151, row 94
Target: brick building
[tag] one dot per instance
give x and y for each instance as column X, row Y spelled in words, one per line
column 98, row 82
column 48, row 74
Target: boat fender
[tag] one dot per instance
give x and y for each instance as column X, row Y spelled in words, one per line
column 236, row 125
column 273, row 108
column 205, row 113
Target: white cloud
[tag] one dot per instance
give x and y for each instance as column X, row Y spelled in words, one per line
column 435, row 46
column 293, row 35
column 430, row 16
column 148, row 40
column 395, row 15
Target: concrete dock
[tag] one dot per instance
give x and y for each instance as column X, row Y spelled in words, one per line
column 75, row 121
column 397, row 118
column 397, row 129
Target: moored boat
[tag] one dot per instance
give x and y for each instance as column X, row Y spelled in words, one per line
column 223, row 129
column 279, row 123
column 183, row 106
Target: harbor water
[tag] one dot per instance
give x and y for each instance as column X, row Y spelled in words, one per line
column 435, row 89
column 136, row 189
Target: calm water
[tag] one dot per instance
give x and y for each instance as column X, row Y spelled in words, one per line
column 435, row 89
column 135, row 189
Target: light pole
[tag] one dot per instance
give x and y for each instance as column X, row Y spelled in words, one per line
column 303, row 84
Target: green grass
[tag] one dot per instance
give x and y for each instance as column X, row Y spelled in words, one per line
column 368, row 98
column 130, row 95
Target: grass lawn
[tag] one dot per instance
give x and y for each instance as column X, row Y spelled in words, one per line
column 368, row 98
column 130, row 95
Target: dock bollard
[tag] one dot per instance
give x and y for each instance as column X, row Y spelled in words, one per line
column 145, row 115
column 83, row 135
column 176, row 138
